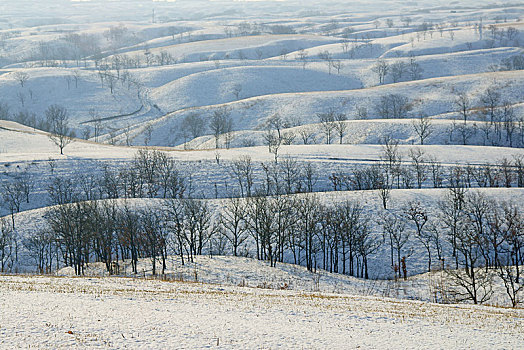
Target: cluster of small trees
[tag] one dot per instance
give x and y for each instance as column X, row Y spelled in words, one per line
column 151, row 174
column 81, row 47
column 249, row 29
column 82, row 232
column 499, row 122
column 334, row 237
column 398, row 71
column 504, row 36
column 220, row 125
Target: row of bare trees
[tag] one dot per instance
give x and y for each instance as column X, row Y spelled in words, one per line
column 418, row 170
column 151, row 174
column 154, row 174
column 334, row 237
column 474, row 238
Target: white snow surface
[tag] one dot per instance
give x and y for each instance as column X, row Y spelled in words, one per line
column 50, row 312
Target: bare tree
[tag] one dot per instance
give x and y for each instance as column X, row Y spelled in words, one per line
column 418, row 215
column 58, row 120
column 242, row 169
column 471, row 282
column 418, row 162
column 423, row 127
column 509, row 121
column 307, row 135
column 76, row 77
column 393, row 106
column 232, row 223
column 341, row 125
column 218, row 124
column 398, row 70
column 310, row 177
column 153, row 236
column 326, row 56
column 21, row 77
column 12, row 196
column 338, row 65
column 7, row 245
column 415, row 71
column 328, row 123
column 491, row 100
column 394, row 230
column 381, row 68
column 463, row 105
column 302, row 56
column 237, row 89
column 192, row 125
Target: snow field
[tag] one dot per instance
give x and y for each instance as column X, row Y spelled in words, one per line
column 117, row 312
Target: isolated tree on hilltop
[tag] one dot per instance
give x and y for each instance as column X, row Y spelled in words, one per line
column 58, row 121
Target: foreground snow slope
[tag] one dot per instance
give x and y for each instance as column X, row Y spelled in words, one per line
column 117, row 313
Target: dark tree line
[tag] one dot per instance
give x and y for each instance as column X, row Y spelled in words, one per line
column 337, row 237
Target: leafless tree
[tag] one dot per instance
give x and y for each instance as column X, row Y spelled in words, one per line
column 307, row 135
column 328, row 123
column 394, row 231
column 58, row 120
column 237, row 89
column 509, row 121
column 328, row 57
column 21, row 77
column 290, row 174
column 393, row 106
column 471, row 282
column 423, row 127
column 381, row 68
column 153, row 236
column 463, row 105
column 398, row 70
column 192, row 125
column 418, row 215
column 491, row 100
column 242, row 170
column 218, row 124
column 302, row 56
column 418, row 162
column 338, row 65
column 233, row 224
column 341, row 125
column 12, row 197
column 7, row 244
column 415, row 71
column 406, row 20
